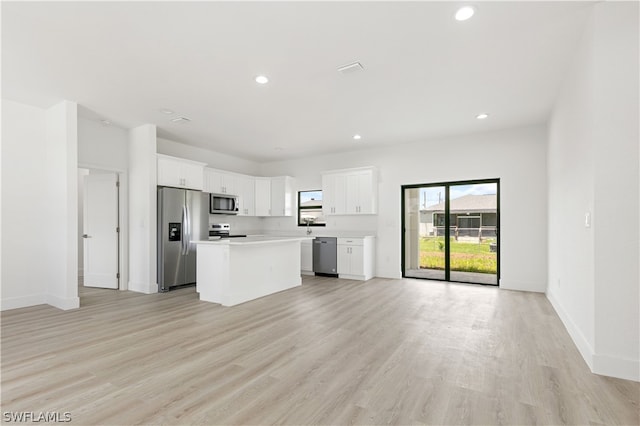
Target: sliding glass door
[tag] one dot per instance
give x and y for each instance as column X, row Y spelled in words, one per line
column 450, row 231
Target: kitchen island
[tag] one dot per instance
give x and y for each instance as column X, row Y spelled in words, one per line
column 234, row 271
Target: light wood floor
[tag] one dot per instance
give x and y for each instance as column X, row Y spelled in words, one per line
column 329, row 352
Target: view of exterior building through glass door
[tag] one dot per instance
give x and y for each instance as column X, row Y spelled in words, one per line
column 450, row 231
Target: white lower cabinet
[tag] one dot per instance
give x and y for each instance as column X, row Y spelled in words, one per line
column 356, row 258
column 306, row 257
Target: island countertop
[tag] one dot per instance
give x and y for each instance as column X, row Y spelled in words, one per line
column 237, row 270
column 256, row 239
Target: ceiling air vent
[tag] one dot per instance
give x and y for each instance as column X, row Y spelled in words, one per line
column 181, row 120
column 350, row 68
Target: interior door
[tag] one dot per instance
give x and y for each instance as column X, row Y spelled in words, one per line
column 100, row 234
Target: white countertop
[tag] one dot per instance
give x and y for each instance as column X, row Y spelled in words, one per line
column 257, row 239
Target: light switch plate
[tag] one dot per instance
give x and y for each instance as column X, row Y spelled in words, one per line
column 587, row 220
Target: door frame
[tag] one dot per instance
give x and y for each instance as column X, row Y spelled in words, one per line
column 123, row 219
column 447, row 219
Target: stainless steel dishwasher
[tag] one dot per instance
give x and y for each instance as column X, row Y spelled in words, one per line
column 325, row 256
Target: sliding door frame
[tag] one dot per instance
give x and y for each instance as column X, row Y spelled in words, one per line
column 447, row 225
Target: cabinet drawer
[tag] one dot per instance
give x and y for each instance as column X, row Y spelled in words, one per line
column 350, row 241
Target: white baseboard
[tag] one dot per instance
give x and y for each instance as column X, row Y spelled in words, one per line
column 621, row 368
column 578, row 338
column 521, row 286
column 63, row 303
column 143, row 287
column 604, row 365
column 22, row 302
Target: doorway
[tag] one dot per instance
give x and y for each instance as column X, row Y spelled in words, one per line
column 99, row 230
column 450, row 231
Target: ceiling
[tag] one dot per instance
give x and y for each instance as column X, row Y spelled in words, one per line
column 425, row 74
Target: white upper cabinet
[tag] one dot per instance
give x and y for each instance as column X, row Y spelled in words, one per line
column 220, row 182
column 246, row 191
column 263, row 196
column 351, row 191
column 257, row 196
column 180, row 173
column 274, row 196
column 281, row 196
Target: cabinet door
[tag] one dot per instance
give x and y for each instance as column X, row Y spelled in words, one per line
column 356, row 261
column 169, row 172
column 193, row 176
column 208, row 184
column 340, row 194
column 281, row 196
column 230, row 184
column 263, row 197
column 352, row 193
column 277, row 197
column 306, row 256
column 246, row 195
column 334, row 194
column 344, row 260
column 368, row 190
column 214, row 181
column 328, row 191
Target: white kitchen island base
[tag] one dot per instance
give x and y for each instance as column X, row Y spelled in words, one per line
column 235, row 271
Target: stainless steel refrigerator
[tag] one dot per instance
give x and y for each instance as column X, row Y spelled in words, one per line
column 183, row 216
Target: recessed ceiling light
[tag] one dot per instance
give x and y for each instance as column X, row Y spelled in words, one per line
column 261, row 79
column 181, row 120
column 166, row 111
column 465, row 13
column 482, row 116
column 105, row 122
column 357, row 137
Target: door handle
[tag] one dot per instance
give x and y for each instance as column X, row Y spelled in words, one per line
column 183, row 250
column 86, row 236
column 188, row 239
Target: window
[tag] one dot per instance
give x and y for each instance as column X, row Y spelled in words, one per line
column 310, row 209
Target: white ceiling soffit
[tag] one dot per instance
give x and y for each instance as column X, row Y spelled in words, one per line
column 425, row 74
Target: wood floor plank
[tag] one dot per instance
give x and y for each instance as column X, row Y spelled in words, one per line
column 329, row 352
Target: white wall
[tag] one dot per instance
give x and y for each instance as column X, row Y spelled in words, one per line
column 617, row 241
column 213, row 159
column 60, row 193
column 39, row 213
column 23, row 180
column 102, row 147
column 142, row 209
column 593, row 167
column 516, row 156
column 570, row 193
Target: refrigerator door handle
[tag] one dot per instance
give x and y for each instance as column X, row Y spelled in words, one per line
column 188, row 235
column 183, row 249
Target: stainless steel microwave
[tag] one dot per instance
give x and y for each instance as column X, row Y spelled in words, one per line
column 223, row 204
